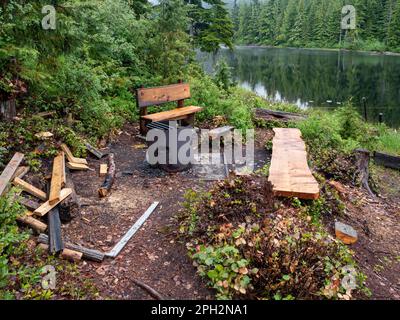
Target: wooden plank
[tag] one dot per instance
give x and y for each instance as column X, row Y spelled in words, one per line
column 56, row 179
column 46, row 207
column 103, row 169
column 64, row 174
column 25, row 186
column 33, row 223
column 77, row 166
column 289, row 171
column 172, row 114
column 71, row 157
column 387, row 160
column 160, row 95
column 9, row 171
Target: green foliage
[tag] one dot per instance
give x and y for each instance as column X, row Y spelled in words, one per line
column 225, row 269
column 223, row 76
column 316, row 23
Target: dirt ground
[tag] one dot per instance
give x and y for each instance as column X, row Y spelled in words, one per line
column 154, row 257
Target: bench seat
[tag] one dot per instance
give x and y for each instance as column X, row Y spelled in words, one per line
column 174, row 114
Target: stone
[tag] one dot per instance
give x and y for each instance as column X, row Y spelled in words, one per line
column 345, row 233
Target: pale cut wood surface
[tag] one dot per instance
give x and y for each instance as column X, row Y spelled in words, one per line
column 159, row 95
column 77, row 166
column 56, row 179
column 9, row 171
column 71, row 157
column 172, row 114
column 103, row 169
column 25, row 186
column 46, row 207
column 289, row 171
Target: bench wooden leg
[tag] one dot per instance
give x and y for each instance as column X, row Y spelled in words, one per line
column 189, row 120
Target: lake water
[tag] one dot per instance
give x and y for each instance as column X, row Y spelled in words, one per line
column 317, row 78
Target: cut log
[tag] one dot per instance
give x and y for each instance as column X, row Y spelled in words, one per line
column 103, row 170
column 35, row 224
column 46, row 207
column 70, row 207
column 77, row 166
column 109, row 181
column 71, row 157
column 71, row 255
column 271, row 114
column 55, row 235
column 362, row 172
column 20, row 173
column 9, row 171
column 30, row 204
column 289, row 172
column 56, row 179
column 25, row 186
column 345, row 233
column 89, row 254
column 387, row 160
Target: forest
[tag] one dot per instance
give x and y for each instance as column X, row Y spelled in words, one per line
column 316, row 24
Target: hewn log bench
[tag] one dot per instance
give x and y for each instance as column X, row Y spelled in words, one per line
column 157, row 96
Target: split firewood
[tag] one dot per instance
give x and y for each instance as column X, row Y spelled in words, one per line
column 25, row 186
column 33, row 223
column 71, row 157
column 9, row 171
column 71, row 255
column 77, row 166
column 103, row 170
column 109, row 181
column 56, row 179
column 46, row 207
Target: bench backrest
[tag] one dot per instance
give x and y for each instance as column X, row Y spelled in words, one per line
column 159, row 95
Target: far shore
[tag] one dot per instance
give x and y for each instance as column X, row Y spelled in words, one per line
column 384, row 53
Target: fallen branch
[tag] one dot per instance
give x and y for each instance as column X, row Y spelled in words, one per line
column 268, row 114
column 110, row 177
column 149, row 289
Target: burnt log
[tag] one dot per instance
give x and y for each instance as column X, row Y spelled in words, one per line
column 70, row 207
column 387, row 160
column 110, row 177
column 55, row 234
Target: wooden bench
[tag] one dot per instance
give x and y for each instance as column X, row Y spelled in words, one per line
column 157, row 96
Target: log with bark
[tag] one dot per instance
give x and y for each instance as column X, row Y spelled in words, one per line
column 110, row 177
column 387, row 160
column 280, row 115
column 89, row 254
